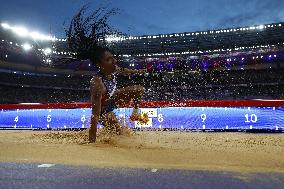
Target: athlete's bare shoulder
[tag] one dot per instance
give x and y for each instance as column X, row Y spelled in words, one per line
column 96, row 83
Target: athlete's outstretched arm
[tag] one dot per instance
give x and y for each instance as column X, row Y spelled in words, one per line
column 96, row 97
column 126, row 71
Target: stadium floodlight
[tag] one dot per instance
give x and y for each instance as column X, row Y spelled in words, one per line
column 47, row 51
column 261, row 27
column 35, row 35
column 5, row 26
column 112, row 38
column 20, row 31
column 27, row 47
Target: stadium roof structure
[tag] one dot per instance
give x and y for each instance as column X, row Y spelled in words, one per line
column 197, row 42
column 220, row 41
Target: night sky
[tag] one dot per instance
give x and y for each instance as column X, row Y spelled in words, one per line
column 139, row 17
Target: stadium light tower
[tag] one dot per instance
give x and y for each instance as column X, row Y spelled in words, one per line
column 47, row 51
column 23, row 32
column 27, row 47
column 261, row 27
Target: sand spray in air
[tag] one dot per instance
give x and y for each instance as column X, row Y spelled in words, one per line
column 109, row 134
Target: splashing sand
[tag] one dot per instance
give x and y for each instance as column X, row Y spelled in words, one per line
column 104, row 136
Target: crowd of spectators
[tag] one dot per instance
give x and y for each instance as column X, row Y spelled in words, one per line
column 209, row 85
column 52, row 81
column 18, row 94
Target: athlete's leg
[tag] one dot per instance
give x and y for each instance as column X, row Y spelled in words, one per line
column 124, row 95
column 120, row 98
column 108, row 118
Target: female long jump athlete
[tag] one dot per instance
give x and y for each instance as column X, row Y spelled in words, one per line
column 105, row 97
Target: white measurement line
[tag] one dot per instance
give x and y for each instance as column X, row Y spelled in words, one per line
column 46, row 165
column 154, row 170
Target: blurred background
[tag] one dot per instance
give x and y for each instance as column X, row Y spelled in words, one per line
column 223, row 59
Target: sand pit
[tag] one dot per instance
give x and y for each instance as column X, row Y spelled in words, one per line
column 148, row 149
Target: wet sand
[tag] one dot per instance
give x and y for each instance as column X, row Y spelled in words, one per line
column 240, row 152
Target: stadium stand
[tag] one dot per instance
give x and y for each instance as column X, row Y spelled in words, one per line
column 237, row 63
